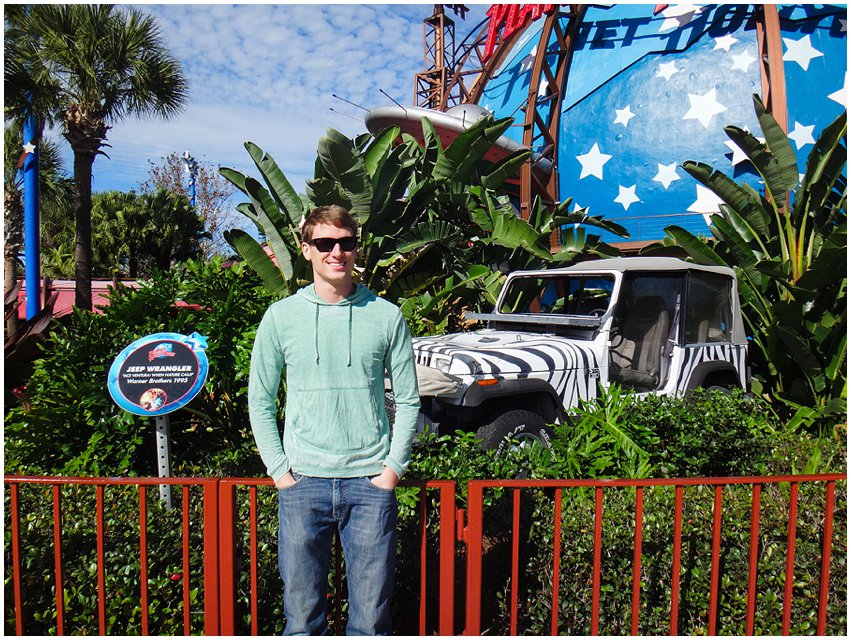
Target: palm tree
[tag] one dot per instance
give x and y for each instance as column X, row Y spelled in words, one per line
column 86, row 67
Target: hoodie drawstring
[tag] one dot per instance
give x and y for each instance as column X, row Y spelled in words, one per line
column 350, row 336
column 316, row 333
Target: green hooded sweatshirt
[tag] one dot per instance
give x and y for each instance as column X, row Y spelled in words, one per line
column 335, row 357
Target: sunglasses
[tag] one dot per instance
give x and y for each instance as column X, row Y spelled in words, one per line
column 326, row 245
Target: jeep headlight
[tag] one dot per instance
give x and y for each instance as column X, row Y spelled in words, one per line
column 441, row 363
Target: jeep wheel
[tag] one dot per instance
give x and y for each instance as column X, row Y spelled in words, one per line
column 523, row 426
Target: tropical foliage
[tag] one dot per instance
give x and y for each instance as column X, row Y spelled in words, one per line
column 434, row 225
column 86, row 66
column 212, row 192
column 788, row 247
column 132, row 234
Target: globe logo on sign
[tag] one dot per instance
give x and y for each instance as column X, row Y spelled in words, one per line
column 162, row 350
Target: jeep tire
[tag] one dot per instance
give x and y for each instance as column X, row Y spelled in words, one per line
column 517, row 424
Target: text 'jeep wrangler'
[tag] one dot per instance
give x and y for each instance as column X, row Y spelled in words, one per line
column 655, row 325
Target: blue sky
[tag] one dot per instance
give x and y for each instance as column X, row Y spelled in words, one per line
column 265, row 73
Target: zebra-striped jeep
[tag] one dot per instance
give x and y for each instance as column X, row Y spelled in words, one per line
column 655, row 325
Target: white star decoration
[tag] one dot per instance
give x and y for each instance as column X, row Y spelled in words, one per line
column 802, row 135
column 29, row 147
column 707, row 203
column 678, row 15
column 725, row 42
column 738, row 154
column 841, row 96
column 626, row 196
column 801, row 51
column 667, row 174
column 624, row 115
column 703, row 108
column 743, row 61
column 592, row 162
column 667, row 69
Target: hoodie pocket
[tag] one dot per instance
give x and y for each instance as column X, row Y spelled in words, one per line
column 337, row 420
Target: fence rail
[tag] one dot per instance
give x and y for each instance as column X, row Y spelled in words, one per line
column 475, row 535
column 221, row 549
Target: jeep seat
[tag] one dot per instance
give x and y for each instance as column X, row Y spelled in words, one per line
column 638, row 342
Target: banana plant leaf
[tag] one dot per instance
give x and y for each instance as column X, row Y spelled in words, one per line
column 696, row 249
column 379, row 149
column 730, row 192
column 273, row 231
column 256, row 257
column 427, row 232
column 466, row 152
column 782, row 175
column 774, row 174
column 505, row 168
column 343, row 165
column 282, row 191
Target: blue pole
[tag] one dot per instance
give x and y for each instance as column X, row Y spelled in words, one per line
column 192, row 191
column 32, row 226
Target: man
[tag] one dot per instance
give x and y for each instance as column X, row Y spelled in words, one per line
column 338, row 465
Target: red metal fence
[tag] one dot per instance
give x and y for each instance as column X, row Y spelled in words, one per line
column 221, row 552
column 224, row 528
column 476, row 534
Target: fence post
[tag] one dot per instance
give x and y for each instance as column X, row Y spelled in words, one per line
column 446, row 622
column 474, row 558
column 227, row 558
column 211, row 557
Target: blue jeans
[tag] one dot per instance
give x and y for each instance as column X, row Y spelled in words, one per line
column 365, row 515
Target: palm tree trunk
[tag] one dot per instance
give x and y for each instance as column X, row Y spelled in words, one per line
column 83, row 161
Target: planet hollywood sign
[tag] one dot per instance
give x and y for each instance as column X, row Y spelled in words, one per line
column 507, row 19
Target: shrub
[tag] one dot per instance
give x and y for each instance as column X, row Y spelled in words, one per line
column 71, row 426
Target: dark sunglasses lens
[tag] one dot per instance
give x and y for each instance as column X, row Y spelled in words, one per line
column 327, row 244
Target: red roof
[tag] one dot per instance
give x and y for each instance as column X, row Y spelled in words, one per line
column 65, row 300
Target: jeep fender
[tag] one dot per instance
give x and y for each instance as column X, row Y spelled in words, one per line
column 477, row 395
column 706, row 370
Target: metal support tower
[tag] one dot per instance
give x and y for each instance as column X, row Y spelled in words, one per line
column 438, row 40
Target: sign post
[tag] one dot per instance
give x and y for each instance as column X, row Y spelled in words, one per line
column 155, row 376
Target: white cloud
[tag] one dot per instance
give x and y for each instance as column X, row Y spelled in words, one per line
column 266, row 73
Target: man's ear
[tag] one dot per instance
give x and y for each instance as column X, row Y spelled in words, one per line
column 305, row 251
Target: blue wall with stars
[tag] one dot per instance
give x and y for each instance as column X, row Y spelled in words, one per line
column 646, row 92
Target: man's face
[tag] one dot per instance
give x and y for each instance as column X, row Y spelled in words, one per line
column 335, row 266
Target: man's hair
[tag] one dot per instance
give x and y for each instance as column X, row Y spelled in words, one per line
column 330, row 214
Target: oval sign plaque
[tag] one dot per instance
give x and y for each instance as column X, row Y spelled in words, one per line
column 159, row 373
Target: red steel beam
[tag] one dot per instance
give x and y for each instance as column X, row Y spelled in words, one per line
column 211, row 558
column 636, row 558
column 598, row 553
column 57, row 560
column 186, row 568
column 825, row 558
column 446, row 622
column 143, row 556
column 16, row 559
column 515, row 560
column 474, row 558
column 252, row 519
column 753, row 558
column 101, row 559
column 423, row 548
column 790, row 558
column 227, row 558
column 716, row 561
column 678, row 546
column 556, row 562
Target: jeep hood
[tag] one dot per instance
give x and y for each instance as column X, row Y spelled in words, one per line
column 502, row 353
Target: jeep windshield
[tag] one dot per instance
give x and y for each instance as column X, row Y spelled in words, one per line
column 558, row 295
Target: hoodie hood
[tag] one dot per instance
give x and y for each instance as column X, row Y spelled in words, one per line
column 360, row 294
